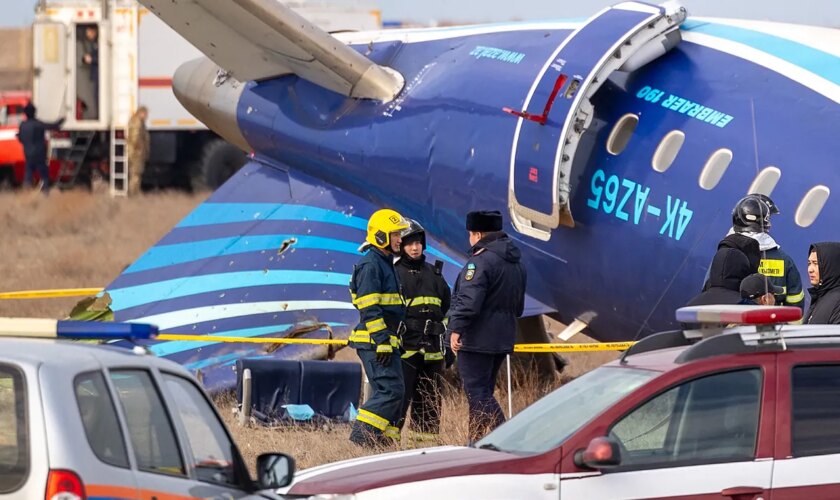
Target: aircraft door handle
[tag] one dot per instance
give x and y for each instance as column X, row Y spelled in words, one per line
column 743, row 493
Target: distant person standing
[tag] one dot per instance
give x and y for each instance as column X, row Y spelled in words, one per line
column 32, row 136
column 489, row 295
column 137, row 148
column 87, row 81
column 824, row 274
column 751, row 217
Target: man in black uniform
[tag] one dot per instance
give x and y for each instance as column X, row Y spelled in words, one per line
column 32, row 137
column 426, row 296
column 489, row 295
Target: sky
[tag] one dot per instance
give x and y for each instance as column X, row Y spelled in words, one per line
column 818, row 12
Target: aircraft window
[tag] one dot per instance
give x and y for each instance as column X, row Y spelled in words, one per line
column 714, row 169
column 621, row 133
column 667, row 150
column 811, row 205
column 765, row 182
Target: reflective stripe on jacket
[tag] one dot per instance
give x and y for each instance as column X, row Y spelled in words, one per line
column 375, row 291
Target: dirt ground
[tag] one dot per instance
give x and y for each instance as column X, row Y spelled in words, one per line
column 79, row 239
column 76, row 239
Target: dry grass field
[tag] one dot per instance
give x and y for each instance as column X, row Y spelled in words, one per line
column 81, row 239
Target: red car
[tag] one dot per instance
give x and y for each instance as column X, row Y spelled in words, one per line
column 742, row 413
column 12, row 162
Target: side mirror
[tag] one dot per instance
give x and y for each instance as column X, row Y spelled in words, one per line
column 602, row 453
column 274, row 470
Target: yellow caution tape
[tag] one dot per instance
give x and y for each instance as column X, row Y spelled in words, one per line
column 532, row 348
column 254, row 340
column 49, row 294
column 604, row 346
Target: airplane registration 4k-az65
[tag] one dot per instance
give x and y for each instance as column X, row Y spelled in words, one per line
column 616, row 147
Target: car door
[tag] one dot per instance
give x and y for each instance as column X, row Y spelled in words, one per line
column 216, row 463
column 808, row 433
column 163, row 461
column 695, row 439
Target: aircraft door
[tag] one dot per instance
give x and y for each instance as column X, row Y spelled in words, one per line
column 50, row 60
column 557, row 108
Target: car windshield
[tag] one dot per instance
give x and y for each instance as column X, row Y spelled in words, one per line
column 548, row 422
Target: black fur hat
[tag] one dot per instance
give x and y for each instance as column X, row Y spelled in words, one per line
column 484, row 221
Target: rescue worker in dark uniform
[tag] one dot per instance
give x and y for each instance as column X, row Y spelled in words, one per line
column 489, row 295
column 824, row 275
column 31, row 135
column 426, row 296
column 751, row 217
column 729, row 267
column 375, row 291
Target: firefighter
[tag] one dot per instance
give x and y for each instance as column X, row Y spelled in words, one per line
column 138, row 149
column 489, row 295
column 375, row 290
column 751, row 217
column 426, row 296
column 32, row 138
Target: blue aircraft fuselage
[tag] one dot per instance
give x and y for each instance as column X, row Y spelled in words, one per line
column 642, row 239
column 475, row 126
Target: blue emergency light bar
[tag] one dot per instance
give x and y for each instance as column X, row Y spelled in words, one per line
column 740, row 314
column 81, row 330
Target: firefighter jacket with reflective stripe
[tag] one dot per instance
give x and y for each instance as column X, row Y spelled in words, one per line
column 426, row 297
column 779, row 267
column 375, row 291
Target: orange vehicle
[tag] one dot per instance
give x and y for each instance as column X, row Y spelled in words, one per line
column 12, row 162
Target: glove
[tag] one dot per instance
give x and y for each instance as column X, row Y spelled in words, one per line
column 383, row 354
column 449, row 358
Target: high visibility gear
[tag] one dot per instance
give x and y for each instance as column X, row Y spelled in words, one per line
column 779, row 267
column 375, row 291
column 375, row 424
column 427, row 298
column 423, row 381
column 380, row 226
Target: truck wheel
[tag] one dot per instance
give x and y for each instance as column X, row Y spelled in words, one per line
column 219, row 161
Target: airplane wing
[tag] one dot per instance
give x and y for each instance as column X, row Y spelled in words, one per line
column 269, row 254
column 260, row 39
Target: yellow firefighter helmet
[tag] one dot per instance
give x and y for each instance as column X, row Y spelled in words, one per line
column 380, row 226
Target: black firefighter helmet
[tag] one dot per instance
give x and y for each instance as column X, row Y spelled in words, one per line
column 752, row 214
column 414, row 232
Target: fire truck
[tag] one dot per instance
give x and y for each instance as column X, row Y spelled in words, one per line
column 12, row 161
column 97, row 61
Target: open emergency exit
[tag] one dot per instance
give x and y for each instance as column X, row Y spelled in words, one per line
column 558, row 110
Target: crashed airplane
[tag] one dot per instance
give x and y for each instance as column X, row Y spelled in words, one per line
column 616, row 147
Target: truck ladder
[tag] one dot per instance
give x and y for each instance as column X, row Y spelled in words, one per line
column 119, row 163
column 73, row 158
